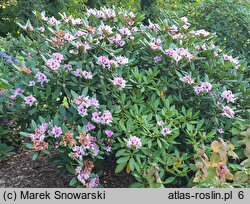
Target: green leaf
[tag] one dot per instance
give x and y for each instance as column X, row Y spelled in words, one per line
column 169, row 180
column 159, row 143
column 74, row 94
column 120, row 167
column 136, row 185
column 132, row 164
column 120, row 152
column 70, row 169
column 122, row 160
column 85, row 91
column 200, row 123
column 28, row 145
column 25, row 134
column 35, row 155
column 122, row 126
column 56, row 93
column 33, row 125
column 73, row 181
column 62, row 110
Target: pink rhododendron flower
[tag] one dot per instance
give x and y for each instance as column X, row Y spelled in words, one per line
column 122, row 60
column 109, row 133
column 228, row 95
column 202, row 32
column 120, row 43
column 228, row 112
column 157, row 58
column 82, row 110
column 134, row 142
column 134, row 29
column 198, row 89
column 120, row 82
column 125, row 31
column 77, row 72
column 96, row 117
column 30, row 100
column 52, row 21
column 80, row 33
column 184, row 20
column 166, row 131
column 94, row 182
column 44, row 127
column 188, row 80
column 68, row 37
column 152, row 26
column 220, row 130
column 18, row 91
column 206, row 86
column 177, row 57
column 90, row 126
column 169, row 51
column 53, row 64
column 173, row 29
column 58, row 57
column 56, row 131
column 87, row 75
column 227, row 57
column 32, row 83
column 94, row 102
column 177, row 36
column 42, row 78
column 41, row 29
column 104, row 61
column 68, row 67
column 106, row 117
column 108, row 149
column 160, row 123
column 116, row 38
column 154, row 46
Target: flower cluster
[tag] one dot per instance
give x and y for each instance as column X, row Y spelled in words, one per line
column 54, row 63
column 84, row 175
column 119, row 82
column 17, row 92
column 83, row 103
column 41, row 78
column 165, row 131
column 228, row 95
column 39, row 136
column 134, row 142
column 104, row 118
column 179, row 53
column 205, row 87
column 105, row 62
column 81, row 73
column 103, row 13
column 30, row 100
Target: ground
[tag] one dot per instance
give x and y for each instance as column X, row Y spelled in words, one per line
column 21, row 172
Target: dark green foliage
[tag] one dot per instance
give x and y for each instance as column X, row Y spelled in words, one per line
column 5, row 151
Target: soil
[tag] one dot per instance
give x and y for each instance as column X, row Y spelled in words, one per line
column 20, row 171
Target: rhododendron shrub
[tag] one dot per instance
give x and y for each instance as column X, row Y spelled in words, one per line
column 153, row 94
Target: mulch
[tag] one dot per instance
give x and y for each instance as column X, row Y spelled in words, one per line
column 20, row 171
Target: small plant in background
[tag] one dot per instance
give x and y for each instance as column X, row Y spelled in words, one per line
column 6, row 151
